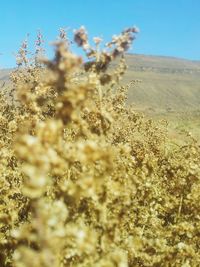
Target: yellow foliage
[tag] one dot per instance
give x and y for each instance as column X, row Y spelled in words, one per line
column 84, row 180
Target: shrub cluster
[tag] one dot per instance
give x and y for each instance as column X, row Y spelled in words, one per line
column 85, row 180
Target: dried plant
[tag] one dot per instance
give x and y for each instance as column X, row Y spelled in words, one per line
column 84, row 179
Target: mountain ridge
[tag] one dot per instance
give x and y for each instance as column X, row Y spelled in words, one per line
column 163, row 56
column 167, row 83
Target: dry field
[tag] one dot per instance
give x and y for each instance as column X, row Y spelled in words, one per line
column 88, row 180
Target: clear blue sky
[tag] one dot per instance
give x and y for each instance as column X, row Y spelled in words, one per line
column 168, row 27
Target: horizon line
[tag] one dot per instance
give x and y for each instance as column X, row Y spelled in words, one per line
column 138, row 54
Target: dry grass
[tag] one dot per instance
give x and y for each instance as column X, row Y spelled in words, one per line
column 85, row 180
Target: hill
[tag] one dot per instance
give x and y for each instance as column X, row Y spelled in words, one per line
column 167, row 84
column 4, row 74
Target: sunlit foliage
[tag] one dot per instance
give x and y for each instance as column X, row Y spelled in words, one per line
column 84, row 179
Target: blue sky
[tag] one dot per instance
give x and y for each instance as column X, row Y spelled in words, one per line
column 168, row 27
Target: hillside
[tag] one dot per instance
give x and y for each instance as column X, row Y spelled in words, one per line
column 4, row 74
column 167, row 83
